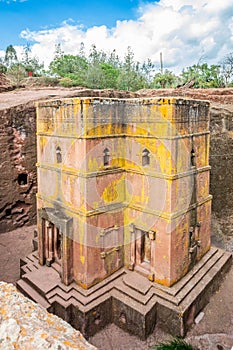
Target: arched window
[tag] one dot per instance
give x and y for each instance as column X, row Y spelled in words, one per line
column 193, row 160
column 106, row 156
column 145, row 157
column 58, row 154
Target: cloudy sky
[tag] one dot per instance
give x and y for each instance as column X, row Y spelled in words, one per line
column 185, row 31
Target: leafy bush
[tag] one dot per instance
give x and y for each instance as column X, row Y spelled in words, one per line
column 3, row 68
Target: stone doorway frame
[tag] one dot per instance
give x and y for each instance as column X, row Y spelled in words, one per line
column 55, row 220
column 137, row 250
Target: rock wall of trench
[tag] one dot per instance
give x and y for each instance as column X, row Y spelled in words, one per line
column 18, row 156
column 17, row 164
column 221, row 155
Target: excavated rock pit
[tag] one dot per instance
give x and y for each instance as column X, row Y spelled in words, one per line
column 18, row 181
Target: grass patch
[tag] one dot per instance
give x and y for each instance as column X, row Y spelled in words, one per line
column 175, row 344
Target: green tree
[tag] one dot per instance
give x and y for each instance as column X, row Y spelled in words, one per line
column 148, row 72
column 167, row 79
column 110, row 75
column 58, row 51
column 103, row 70
column 73, row 67
column 130, row 76
column 31, row 64
column 16, row 73
column 10, row 56
column 204, row 76
column 3, row 67
column 227, row 69
column 82, row 50
column 102, row 76
column 114, row 59
column 96, row 57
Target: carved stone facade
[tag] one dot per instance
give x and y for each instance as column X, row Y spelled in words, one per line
column 123, row 183
column 123, row 207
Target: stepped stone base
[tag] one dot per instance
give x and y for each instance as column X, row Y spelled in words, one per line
column 126, row 298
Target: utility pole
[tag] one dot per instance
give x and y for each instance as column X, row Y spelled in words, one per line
column 161, row 62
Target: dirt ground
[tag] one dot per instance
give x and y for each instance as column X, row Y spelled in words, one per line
column 213, row 332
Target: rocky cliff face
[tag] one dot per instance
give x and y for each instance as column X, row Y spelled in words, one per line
column 18, row 147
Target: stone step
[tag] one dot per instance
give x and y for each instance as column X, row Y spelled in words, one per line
column 31, row 258
column 205, row 270
column 177, row 293
column 28, row 264
column 132, row 303
column 215, row 274
column 31, row 293
column 75, row 302
column 59, row 300
column 125, row 289
column 75, row 295
column 28, row 268
column 59, row 293
column 209, row 256
column 43, row 279
column 86, row 292
column 93, row 304
column 175, row 289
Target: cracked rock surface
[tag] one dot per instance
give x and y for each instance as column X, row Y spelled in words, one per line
column 25, row 325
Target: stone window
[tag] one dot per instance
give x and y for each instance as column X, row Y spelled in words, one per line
column 22, row 179
column 145, row 157
column 106, row 157
column 58, row 154
column 193, row 162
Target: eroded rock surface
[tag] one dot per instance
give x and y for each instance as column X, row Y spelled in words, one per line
column 26, row 325
column 17, row 164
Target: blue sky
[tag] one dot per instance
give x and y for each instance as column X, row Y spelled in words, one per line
column 16, row 16
column 185, row 31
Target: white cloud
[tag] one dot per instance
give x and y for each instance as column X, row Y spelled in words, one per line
column 2, row 54
column 183, row 30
